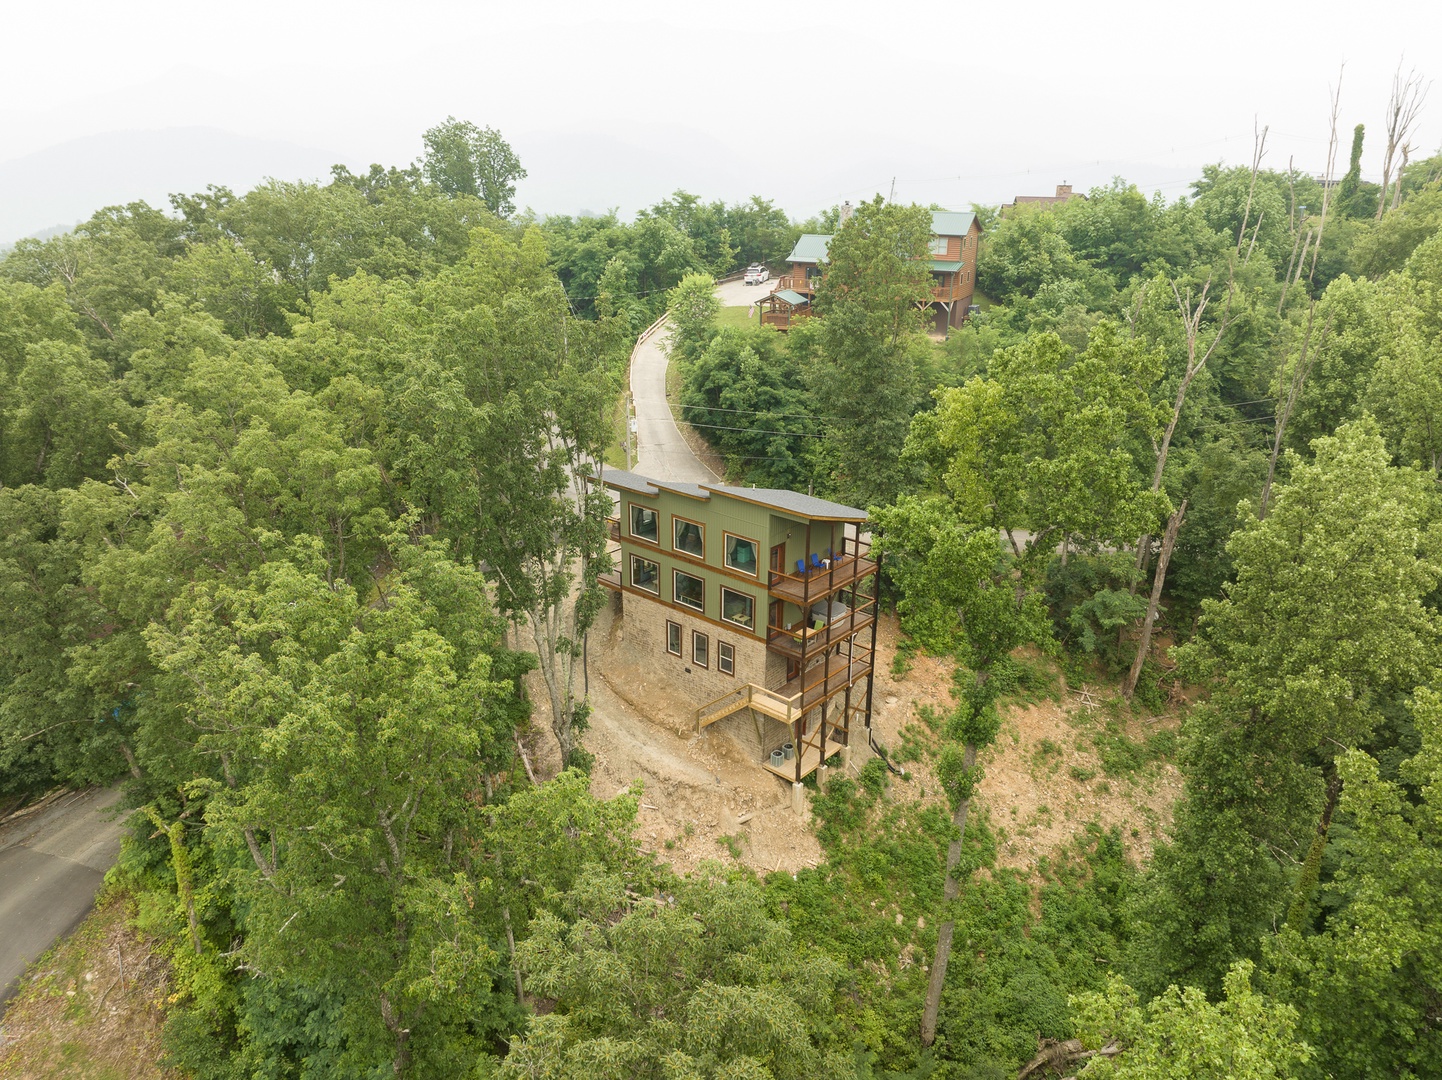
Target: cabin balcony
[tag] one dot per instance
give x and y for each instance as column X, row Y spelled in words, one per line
column 802, row 641
column 612, row 578
column 797, row 283
column 947, row 288
column 842, row 571
column 784, row 320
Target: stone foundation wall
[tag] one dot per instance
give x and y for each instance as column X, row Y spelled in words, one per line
column 643, row 636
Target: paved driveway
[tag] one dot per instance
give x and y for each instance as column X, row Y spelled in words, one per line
column 661, row 452
column 735, row 294
column 52, row 861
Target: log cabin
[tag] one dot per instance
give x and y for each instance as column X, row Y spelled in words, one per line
column 955, row 236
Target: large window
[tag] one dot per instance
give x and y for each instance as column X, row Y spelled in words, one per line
column 645, row 524
column 645, row 575
column 741, row 554
column 725, row 658
column 689, row 537
column 700, row 649
column 673, row 638
column 738, row 608
column 689, row 590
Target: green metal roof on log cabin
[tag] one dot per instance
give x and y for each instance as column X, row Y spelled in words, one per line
column 955, row 235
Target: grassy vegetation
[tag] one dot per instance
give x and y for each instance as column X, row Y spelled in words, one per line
column 92, row 1007
column 615, row 455
column 736, row 316
column 873, row 904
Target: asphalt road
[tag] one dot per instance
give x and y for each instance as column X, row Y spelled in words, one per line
column 53, row 858
column 661, row 452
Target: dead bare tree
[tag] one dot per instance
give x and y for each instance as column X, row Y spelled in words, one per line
column 1191, row 310
column 1288, row 396
column 1403, row 107
column 1144, row 643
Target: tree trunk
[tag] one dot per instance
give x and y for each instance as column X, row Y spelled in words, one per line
column 556, row 668
column 184, row 876
column 944, row 935
column 401, row 1060
column 1312, row 868
column 1174, row 523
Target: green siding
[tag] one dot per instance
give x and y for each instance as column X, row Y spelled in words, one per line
column 720, row 515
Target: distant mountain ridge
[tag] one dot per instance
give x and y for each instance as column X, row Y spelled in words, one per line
column 71, row 180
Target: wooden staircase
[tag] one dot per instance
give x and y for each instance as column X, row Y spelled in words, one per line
column 748, row 696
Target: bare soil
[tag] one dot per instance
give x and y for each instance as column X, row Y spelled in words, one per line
column 703, row 797
column 90, row 1009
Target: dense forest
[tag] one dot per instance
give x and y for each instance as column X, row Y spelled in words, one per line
column 294, row 538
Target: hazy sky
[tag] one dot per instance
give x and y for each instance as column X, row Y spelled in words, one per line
column 619, row 103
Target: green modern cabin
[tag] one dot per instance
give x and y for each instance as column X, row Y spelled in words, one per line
column 750, row 599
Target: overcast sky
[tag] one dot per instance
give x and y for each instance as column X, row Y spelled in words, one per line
column 617, row 104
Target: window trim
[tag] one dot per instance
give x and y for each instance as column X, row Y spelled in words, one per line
column 676, row 594
column 676, row 520
column 656, row 591
column 755, row 548
column 705, row 640
column 678, row 650
column 631, row 522
column 732, row 622
column 724, row 664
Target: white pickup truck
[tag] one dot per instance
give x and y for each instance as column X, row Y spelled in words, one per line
column 756, row 274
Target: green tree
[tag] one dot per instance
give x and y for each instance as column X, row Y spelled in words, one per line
column 747, row 396
column 1182, row 1036
column 1326, row 625
column 957, row 596
column 1050, row 444
column 340, row 726
column 1405, row 389
column 1364, row 984
column 462, row 159
column 867, row 348
column 702, row 985
column 692, row 308
column 498, row 371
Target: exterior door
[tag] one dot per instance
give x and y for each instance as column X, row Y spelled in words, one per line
column 778, row 559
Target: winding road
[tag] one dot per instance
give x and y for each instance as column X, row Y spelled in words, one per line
column 662, row 453
column 53, row 857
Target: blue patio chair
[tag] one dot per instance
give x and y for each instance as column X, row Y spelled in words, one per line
column 816, row 562
column 801, row 567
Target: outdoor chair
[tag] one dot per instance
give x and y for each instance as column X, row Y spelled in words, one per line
column 801, row 567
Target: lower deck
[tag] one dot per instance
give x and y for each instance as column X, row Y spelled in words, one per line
column 811, row 757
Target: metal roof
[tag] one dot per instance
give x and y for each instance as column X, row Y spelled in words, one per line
column 791, row 296
column 951, row 222
column 691, row 491
column 628, row 481
column 810, row 248
column 944, row 266
column 791, row 502
column 779, row 499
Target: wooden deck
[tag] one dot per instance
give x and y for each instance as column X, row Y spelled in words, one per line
column 810, row 758
column 819, row 584
column 790, row 702
column 821, row 684
column 788, row 642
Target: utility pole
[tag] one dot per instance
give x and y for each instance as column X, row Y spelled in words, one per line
column 630, row 427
